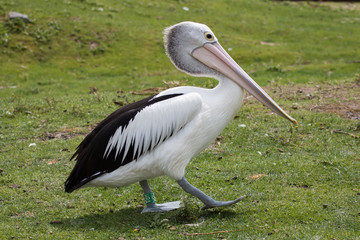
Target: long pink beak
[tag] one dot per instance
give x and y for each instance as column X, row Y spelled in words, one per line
column 214, row 56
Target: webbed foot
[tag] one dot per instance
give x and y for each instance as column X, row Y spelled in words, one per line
column 151, row 205
column 211, row 203
column 163, row 207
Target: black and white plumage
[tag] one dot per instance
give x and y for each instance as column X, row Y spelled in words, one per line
column 160, row 134
column 120, row 139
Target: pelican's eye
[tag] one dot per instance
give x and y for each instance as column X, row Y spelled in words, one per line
column 209, row 36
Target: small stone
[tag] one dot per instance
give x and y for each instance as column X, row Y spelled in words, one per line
column 172, row 228
column 13, row 15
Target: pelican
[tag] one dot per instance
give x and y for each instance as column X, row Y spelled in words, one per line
column 160, row 134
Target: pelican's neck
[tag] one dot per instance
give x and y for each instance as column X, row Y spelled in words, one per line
column 224, row 101
column 229, row 92
column 220, row 105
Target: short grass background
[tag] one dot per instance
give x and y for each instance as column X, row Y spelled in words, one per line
column 77, row 61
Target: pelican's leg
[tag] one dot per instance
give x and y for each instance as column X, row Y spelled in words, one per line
column 208, row 201
column 150, row 201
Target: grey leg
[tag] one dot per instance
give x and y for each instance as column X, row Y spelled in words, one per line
column 208, row 201
column 150, row 201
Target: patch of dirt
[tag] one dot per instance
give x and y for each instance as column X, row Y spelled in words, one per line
column 332, row 5
column 93, row 45
column 255, row 176
column 148, row 91
column 66, row 133
column 343, row 100
column 153, row 91
column 352, row 6
column 58, row 135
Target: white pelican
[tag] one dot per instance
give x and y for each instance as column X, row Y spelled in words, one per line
column 160, row 134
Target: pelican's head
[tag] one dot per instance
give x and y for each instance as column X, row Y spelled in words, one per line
column 194, row 49
column 180, row 42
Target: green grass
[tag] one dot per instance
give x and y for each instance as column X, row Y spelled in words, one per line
column 62, row 73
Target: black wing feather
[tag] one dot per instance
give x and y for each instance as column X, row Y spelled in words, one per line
column 90, row 153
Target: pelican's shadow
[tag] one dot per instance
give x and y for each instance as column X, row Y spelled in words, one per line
column 130, row 219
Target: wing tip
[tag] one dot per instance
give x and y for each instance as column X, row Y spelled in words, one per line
column 72, row 183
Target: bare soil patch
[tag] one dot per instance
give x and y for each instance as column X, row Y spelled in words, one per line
column 66, row 133
column 342, row 100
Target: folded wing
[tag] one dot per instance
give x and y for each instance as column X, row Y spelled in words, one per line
column 129, row 133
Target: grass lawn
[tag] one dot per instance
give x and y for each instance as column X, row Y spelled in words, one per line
column 77, row 61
